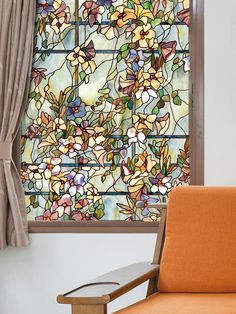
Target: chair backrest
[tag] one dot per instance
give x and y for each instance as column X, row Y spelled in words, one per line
column 199, row 253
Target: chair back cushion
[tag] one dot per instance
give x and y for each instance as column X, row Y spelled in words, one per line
column 199, row 253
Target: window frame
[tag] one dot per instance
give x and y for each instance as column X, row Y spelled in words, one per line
column 196, row 118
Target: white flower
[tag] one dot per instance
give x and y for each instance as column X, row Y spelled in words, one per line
column 144, row 93
column 162, row 185
column 135, row 136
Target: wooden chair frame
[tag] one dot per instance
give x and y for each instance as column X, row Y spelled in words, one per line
column 93, row 296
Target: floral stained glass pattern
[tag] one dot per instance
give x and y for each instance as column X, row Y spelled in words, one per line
column 106, row 131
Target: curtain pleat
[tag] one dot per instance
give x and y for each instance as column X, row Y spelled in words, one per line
column 16, row 40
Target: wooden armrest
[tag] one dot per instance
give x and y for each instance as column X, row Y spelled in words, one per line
column 110, row 286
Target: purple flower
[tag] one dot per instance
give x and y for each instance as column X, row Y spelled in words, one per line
column 44, row 7
column 137, row 59
column 92, row 12
column 144, row 203
column 75, row 183
column 76, row 109
column 106, row 3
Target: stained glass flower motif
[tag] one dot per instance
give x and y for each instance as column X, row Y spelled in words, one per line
column 106, row 131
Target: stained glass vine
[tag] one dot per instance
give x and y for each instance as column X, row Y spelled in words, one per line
column 106, row 131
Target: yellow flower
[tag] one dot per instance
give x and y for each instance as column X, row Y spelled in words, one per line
column 57, row 125
column 122, row 15
column 145, row 163
column 93, row 195
column 58, row 182
column 144, row 121
column 50, row 140
column 76, row 56
column 143, row 14
column 83, row 56
column 145, row 35
column 153, row 78
column 59, row 24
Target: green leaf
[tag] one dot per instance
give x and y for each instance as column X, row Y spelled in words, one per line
column 59, row 135
column 124, row 47
column 155, row 22
column 38, row 105
column 71, row 130
column 125, row 54
column 32, row 95
column 71, row 96
column 166, row 98
column 161, row 103
column 153, row 149
column 78, row 120
column 174, row 67
column 161, row 92
column 110, row 99
column 43, row 56
column 45, row 44
column 111, row 9
column 174, row 93
column 103, row 178
column 51, row 197
column 55, row 109
column 47, row 205
column 99, row 212
column 155, row 110
column 35, row 205
column 30, row 185
column 104, row 91
column 177, row 101
column 82, row 75
column 32, row 199
column 37, row 97
column 147, row 5
column 116, row 159
column 130, row 104
column 28, row 210
column 130, row 4
column 119, row 57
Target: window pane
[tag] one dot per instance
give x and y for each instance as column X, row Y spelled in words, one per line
column 106, row 131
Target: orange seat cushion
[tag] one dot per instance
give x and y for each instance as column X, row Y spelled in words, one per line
column 184, row 303
column 199, row 253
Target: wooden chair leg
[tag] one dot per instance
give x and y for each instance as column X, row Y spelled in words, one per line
column 89, row 309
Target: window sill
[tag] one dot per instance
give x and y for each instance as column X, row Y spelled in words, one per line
column 92, row 227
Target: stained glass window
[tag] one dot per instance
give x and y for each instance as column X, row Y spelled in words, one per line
column 106, row 131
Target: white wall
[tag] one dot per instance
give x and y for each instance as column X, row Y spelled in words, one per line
column 30, row 278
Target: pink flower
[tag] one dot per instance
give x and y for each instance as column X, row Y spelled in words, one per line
column 62, row 206
column 47, row 216
column 78, row 216
column 92, row 12
column 37, row 75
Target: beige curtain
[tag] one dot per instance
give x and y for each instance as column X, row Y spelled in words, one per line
column 16, row 38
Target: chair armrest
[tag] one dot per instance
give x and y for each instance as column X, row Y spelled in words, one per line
column 110, row 286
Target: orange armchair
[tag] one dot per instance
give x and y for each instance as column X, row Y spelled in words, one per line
column 197, row 272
